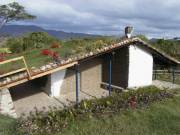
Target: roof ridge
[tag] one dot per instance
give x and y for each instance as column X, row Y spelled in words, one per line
column 156, row 49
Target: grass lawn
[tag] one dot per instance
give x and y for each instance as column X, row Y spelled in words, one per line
column 160, row 119
column 7, row 125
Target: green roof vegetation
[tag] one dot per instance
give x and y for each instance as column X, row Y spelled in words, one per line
column 33, row 46
column 39, row 47
column 171, row 47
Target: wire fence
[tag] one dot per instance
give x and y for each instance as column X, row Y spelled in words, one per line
column 167, row 75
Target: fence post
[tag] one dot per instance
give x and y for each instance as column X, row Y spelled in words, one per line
column 155, row 75
column 173, row 75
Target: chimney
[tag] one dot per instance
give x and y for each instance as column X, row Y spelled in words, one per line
column 128, row 31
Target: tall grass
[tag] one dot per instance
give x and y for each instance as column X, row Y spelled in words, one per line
column 7, row 125
column 159, row 119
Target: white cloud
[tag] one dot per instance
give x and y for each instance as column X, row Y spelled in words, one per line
column 106, row 16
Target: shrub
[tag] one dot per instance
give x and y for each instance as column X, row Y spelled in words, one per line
column 31, row 41
column 57, row 119
column 55, row 45
column 68, row 53
column 99, row 44
column 15, row 45
column 2, row 57
column 89, row 48
column 54, row 55
column 46, row 52
column 39, row 39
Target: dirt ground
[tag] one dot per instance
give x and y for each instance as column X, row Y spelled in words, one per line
column 28, row 98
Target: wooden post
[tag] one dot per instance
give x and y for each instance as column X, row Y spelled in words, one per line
column 18, row 70
column 110, row 73
column 155, row 75
column 29, row 74
column 77, row 83
column 173, row 75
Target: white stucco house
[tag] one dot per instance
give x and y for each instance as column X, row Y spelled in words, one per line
column 126, row 64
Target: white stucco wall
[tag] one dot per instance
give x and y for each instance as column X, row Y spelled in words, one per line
column 6, row 104
column 55, row 81
column 140, row 67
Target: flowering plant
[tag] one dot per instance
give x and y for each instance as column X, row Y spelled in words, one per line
column 2, row 57
column 55, row 45
column 46, row 52
column 133, row 102
column 52, row 54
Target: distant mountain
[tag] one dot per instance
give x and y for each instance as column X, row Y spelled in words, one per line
column 153, row 40
column 18, row 30
column 177, row 38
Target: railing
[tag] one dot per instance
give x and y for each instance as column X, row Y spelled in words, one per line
column 167, row 75
column 25, row 68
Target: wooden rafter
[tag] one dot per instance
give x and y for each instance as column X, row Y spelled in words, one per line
column 11, row 60
column 53, row 70
column 13, row 72
column 18, row 70
column 14, row 83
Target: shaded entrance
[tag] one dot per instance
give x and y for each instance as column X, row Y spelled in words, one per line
column 30, row 96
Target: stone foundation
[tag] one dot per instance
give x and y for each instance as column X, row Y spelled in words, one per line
column 6, row 104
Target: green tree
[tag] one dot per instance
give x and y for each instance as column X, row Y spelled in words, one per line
column 15, row 45
column 13, row 12
column 30, row 41
column 39, row 39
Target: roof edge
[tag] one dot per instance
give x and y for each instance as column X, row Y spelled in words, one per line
column 136, row 39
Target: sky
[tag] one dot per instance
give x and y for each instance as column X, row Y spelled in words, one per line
column 153, row 18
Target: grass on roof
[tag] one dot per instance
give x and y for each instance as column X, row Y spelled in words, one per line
column 68, row 48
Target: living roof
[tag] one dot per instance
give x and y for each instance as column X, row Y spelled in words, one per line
column 139, row 42
column 158, row 52
column 51, row 67
column 82, row 49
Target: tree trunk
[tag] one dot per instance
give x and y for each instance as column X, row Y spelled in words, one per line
column 3, row 23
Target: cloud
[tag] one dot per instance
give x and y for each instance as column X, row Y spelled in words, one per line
column 153, row 18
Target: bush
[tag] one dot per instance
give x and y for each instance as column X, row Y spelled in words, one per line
column 2, row 56
column 46, row 52
column 39, row 39
column 32, row 41
column 68, row 53
column 55, row 45
column 15, row 45
column 56, row 119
